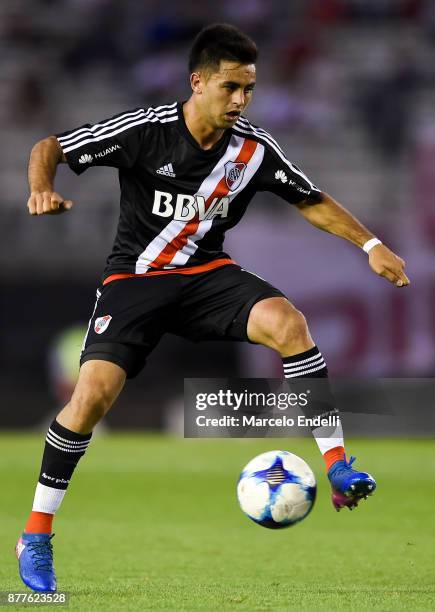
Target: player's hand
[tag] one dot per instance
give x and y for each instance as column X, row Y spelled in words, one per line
column 47, row 203
column 385, row 263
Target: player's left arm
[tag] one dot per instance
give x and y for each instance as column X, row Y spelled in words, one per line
column 332, row 217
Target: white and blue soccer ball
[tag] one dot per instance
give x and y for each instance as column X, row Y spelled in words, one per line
column 276, row 489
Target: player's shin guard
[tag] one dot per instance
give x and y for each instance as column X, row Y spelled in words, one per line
column 321, row 403
column 63, row 449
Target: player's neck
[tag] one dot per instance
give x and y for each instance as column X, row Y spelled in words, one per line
column 204, row 134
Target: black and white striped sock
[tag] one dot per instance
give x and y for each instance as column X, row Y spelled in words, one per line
column 63, row 449
column 307, row 364
column 310, row 364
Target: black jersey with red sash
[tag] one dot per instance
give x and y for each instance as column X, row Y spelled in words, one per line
column 177, row 200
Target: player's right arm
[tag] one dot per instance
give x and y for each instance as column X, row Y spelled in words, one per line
column 43, row 162
column 113, row 142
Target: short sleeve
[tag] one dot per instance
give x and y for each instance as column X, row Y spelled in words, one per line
column 281, row 177
column 112, row 142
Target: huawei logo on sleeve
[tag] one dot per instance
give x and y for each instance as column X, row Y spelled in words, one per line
column 85, row 159
column 280, row 175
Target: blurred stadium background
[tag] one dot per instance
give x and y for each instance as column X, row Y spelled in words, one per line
column 347, row 86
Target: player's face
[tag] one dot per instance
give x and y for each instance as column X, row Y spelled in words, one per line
column 226, row 93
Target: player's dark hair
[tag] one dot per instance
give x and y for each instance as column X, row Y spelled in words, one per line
column 221, row 41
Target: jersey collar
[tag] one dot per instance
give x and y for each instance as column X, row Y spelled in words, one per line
column 216, row 148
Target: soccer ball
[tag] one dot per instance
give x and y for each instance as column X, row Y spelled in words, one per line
column 276, row 489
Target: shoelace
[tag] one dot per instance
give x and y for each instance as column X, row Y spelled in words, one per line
column 351, row 460
column 42, row 554
column 347, row 464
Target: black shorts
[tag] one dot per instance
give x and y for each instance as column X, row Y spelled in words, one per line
column 132, row 314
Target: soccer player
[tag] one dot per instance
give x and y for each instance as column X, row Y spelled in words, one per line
column 187, row 172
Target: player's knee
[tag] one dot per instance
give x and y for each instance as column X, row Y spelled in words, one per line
column 90, row 404
column 289, row 328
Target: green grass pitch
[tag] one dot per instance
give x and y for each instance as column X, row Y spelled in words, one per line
column 152, row 523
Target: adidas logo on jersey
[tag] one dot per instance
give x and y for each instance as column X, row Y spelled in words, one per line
column 85, row 159
column 280, row 175
column 166, row 170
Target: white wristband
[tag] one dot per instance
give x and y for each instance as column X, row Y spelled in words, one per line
column 367, row 246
